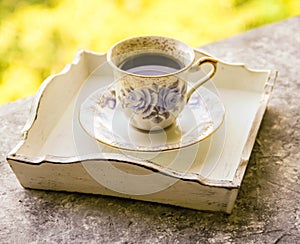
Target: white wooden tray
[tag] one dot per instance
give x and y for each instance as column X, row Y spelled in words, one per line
column 57, row 154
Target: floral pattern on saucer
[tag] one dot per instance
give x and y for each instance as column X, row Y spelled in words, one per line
column 108, row 100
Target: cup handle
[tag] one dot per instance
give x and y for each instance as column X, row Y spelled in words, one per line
column 196, row 67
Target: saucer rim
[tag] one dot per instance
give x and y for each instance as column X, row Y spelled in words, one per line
column 161, row 148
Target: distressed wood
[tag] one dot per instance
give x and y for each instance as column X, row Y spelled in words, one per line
column 56, row 154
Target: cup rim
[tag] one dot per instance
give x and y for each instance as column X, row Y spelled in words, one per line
column 109, row 60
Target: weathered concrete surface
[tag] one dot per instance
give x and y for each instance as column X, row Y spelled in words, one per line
column 268, row 206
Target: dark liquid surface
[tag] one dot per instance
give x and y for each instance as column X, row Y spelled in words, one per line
column 151, row 64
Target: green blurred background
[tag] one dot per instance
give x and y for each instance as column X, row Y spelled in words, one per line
column 37, row 38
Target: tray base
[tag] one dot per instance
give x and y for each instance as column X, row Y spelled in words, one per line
column 56, row 154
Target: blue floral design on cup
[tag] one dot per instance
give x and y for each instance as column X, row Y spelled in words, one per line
column 141, row 100
column 156, row 103
column 168, row 98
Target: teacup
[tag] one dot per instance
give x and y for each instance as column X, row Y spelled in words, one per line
column 151, row 74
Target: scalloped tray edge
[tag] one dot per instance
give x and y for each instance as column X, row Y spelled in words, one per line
column 14, row 156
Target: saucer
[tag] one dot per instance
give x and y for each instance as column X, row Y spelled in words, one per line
column 102, row 118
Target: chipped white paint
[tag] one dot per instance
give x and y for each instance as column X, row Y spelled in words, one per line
column 56, row 153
